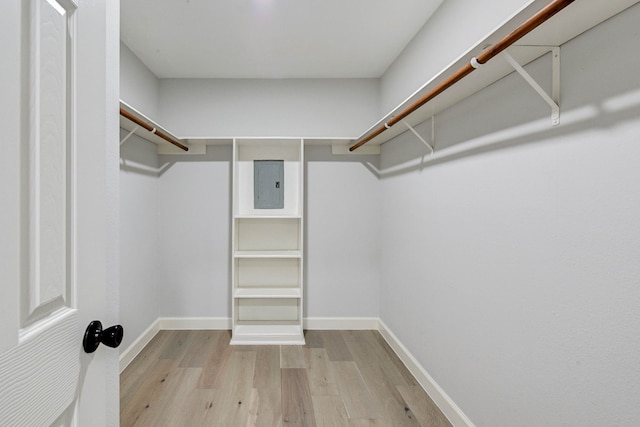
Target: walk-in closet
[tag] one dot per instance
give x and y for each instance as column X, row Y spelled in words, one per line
column 447, row 235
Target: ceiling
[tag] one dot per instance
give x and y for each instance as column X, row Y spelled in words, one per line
column 271, row 38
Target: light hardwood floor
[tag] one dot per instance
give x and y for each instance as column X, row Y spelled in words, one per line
column 339, row 378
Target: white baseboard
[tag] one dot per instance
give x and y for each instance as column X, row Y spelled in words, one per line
column 448, row 407
column 136, row 347
column 178, row 323
column 341, row 323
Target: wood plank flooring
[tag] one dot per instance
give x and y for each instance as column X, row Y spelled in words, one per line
column 339, row 378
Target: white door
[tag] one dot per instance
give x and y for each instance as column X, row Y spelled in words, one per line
column 58, row 210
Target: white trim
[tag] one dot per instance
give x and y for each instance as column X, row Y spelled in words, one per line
column 448, row 407
column 177, row 323
column 341, row 323
column 136, row 347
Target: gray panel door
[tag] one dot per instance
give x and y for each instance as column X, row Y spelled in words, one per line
column 268, row 184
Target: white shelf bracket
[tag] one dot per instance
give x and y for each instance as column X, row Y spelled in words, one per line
column 420, row 136
column 552, row 100
column 129, row 135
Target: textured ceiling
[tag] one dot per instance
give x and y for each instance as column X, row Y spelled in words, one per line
column 271, row 38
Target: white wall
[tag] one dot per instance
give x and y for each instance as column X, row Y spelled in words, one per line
column 456, row 26
column 139, row 87
column 343, row 213
column 261, row 108
column 510, row 269
column 194, row 234
column 139, row 305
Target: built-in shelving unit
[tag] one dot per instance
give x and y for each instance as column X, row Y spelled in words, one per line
column 267, row 246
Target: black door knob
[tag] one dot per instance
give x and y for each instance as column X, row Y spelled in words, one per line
column 94, row 335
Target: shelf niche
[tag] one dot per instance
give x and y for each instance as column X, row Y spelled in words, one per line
column 245, row 152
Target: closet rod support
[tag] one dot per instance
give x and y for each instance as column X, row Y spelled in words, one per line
column 138, row 121
column 418, row 135
column 129, row 135
column 553, row 101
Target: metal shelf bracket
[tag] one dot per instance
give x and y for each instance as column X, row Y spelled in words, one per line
column 129, row 135
column 554, row 99
column 433, row 133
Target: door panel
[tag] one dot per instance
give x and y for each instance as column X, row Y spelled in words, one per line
column 51, row 44
column 50, row 260
column 39, row 376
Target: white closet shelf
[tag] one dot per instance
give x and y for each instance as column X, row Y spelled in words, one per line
column 196, row 146
column 577, row 18
column 268, row 254
column 267, row 293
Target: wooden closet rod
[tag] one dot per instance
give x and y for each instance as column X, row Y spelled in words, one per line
column 140, row 122
column 543, row 15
